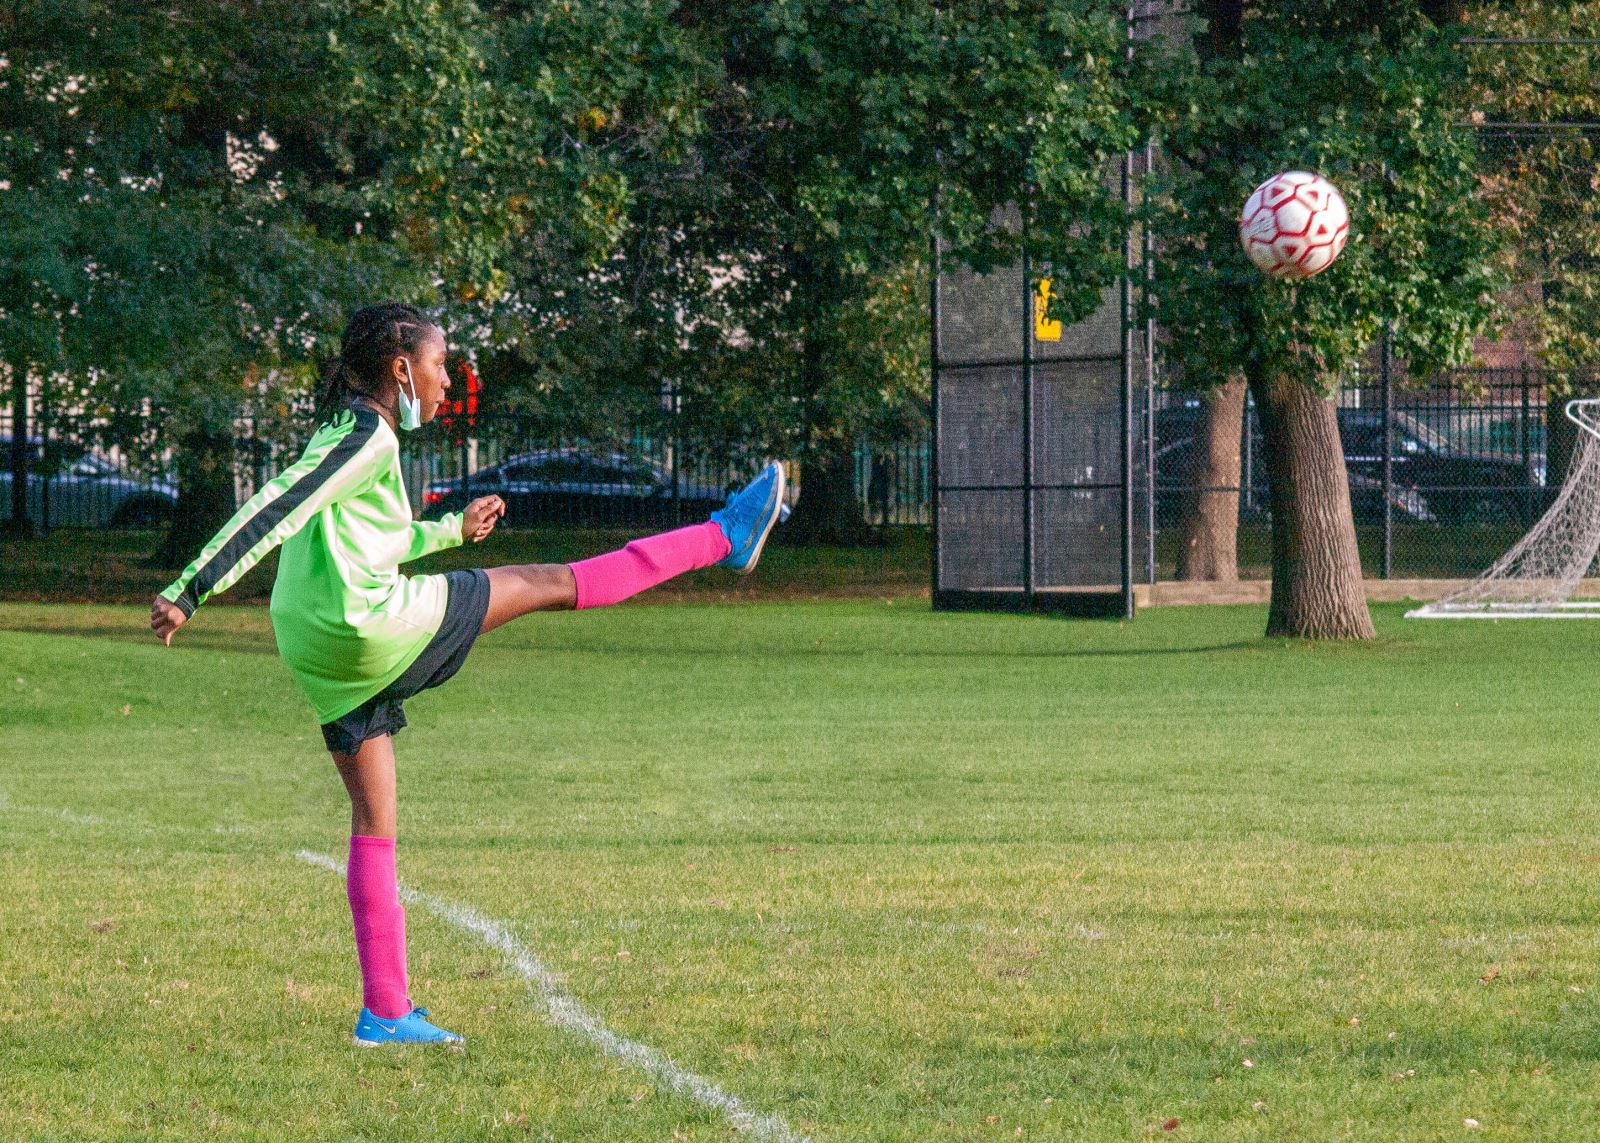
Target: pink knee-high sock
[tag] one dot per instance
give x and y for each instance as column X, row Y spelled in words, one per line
column 644, row 563
column 380, row 922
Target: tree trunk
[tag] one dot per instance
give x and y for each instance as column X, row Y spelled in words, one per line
column 205, row 496
column 1317, row 591
column 1210, row 523
column 828, row 511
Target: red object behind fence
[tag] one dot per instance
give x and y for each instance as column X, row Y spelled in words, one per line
column 460, row 417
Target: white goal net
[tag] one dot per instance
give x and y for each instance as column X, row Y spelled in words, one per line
column 1537, row 577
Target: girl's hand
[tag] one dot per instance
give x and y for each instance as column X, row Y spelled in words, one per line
column 165, row 619
column 478, row 520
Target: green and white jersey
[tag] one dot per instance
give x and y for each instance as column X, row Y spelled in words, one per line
column 347, row 622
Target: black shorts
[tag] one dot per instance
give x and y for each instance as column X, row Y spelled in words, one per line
column 441, row 658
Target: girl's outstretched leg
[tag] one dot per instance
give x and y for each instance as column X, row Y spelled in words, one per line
column 732, row 537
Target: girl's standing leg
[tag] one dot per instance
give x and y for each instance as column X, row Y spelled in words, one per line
column 371, row 881
column 369, row 777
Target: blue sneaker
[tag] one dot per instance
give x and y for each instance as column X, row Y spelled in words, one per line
column 412, row 1028
column 749, row 516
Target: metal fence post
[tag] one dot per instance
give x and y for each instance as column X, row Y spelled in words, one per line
column 1525, row 501
column 1149, row 384
column 46, row 457
column 935, row 271
column 1388, row 456
column 674, row 458
column 1027, row 413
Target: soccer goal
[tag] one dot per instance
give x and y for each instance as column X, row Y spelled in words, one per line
column 1537, row 577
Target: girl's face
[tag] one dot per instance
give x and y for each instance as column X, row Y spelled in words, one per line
column 427, row 372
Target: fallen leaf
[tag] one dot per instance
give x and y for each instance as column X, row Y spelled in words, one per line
column 1491, row 975
column 1171, row 1124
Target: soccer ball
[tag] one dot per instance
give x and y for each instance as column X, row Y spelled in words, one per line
column 1294, row 225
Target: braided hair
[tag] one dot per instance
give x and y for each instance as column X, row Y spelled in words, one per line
column 374, row 337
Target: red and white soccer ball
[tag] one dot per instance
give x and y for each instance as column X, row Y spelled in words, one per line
column 1294, row 225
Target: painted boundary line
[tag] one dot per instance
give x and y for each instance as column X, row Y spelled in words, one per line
column 567, row 1013
column 565, row 1010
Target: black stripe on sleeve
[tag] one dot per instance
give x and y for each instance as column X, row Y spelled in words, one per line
column 273, row 514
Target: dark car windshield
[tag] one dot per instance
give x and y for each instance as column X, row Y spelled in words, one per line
column 1362, row 434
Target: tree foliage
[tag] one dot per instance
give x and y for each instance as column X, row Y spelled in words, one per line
column 1542, row 180
column 1370, row 96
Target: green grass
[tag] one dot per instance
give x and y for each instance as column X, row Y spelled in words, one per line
column 888, row 874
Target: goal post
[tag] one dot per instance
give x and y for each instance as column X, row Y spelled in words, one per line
column 1537, row 578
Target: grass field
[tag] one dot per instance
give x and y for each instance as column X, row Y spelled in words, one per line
column 878, row 873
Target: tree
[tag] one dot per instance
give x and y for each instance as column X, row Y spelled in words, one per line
column 777, row 266
column 195, row 196
column 1368, row 95
column 1540, row 180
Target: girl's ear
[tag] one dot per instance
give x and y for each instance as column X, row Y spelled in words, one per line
column 397, row 369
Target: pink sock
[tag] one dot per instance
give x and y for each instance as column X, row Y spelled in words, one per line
column 380, row 924
column 644, row 563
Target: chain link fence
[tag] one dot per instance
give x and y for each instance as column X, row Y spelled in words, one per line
column 1443, row 476
column 647, row 473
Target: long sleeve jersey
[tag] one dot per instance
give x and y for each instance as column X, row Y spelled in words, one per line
column 347, row 622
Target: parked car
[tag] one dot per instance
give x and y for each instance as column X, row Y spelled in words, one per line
column 1463, row 487
column 1430, row 481
column 576, row 485
column 87, row 491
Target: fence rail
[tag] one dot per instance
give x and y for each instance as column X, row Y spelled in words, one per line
column 638, row 475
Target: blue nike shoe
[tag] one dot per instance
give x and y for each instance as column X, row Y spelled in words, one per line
column 412, row 1028
column 749, row 516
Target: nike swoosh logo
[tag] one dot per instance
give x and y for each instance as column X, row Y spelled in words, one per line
column 388, row 1029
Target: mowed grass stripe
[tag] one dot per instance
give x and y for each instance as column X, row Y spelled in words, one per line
column 890, row 874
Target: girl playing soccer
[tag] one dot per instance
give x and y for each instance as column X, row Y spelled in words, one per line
column 361, row 637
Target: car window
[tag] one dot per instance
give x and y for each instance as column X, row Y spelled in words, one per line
column 1362, row 439
column 1421, row 436
column 558, row 468
column 619, row 474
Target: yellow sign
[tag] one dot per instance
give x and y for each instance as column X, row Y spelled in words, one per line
column 1044, row 327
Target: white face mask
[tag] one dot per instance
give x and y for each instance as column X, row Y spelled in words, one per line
column 410, row 407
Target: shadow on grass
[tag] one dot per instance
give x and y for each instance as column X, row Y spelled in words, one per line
column 250, row 642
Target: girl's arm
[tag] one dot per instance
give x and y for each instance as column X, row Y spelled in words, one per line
column 433, row 536
column 340, row 461
column 456, row 528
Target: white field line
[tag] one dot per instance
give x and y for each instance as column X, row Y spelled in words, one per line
column 567, row 1013
column 50, row 812
column 125, row 825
